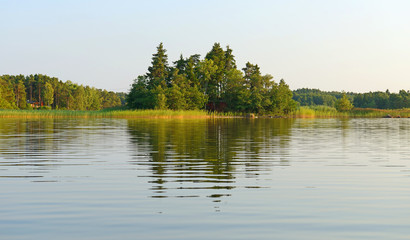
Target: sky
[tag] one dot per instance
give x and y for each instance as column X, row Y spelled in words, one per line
column 349, row 45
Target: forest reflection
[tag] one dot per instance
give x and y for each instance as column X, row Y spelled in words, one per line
column 207, row 154
column 22, row 138
column 34, row 147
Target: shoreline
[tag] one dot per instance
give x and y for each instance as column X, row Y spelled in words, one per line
column 303, row 112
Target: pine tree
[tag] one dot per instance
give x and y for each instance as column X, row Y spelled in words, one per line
column 158, row 72
column 20, row 93
column 256, row 86
column 230, row 62
column 214, row 89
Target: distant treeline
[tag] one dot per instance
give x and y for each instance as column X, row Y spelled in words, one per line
column 212, row 83
column 381, row 100
column 41, row 91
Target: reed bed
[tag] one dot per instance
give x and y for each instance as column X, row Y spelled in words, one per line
column 318, row 112
column 153, row 114
column 103, row 114
column 302, row 112
column 377, row 113
column 330, row 112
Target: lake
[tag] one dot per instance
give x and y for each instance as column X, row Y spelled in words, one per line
column 205, row 179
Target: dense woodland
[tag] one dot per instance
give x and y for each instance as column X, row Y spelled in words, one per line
column 380, row 100
column 41, row 91
column 383, row 100
column 316, row 97
column 212, row 83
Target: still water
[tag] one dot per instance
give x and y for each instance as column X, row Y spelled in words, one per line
column 205, row 179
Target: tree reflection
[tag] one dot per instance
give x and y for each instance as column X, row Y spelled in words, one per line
column 206, row 154
column 39, row 146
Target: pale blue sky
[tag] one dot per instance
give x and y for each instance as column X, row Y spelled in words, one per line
column 331, row 45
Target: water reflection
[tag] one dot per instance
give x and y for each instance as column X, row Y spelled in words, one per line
column 197, row 155
column 32, row 148
column 270, row 178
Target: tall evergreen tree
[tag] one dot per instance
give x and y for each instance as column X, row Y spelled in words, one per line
column 230, row 62
column 214, row 88
column 206, row 71
column 159, row 70
column 140, row 96
column 20, row 93
column 181, row 64
column 258, row 86
column 191, row 69
column 191, row 83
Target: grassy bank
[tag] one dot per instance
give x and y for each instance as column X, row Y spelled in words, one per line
column 329, row 112
column 102, row 114
column 302, row 112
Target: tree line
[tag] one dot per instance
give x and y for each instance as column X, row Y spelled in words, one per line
column 211, row 83
column 383, row 100
column 42, row 91
column 380, row 100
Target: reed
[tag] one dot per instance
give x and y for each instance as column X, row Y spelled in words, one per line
column 318, row 112
column 113, row 113
column 153, row 114
column 330, row 112
column 301, row 112
column 377, row 113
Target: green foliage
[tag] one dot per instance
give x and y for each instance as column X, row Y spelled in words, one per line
column 139, row 96
column 7, row 96
column 236, row 95
column 313, row 97
column 195, row 99
column 122, row 96
column 20, row 92
column 159, row 98
column 93, row 98
column 48, row 94
column 110, row 99
column 159, row 71
column 44, row 108
column 206, row 73
column 175, row 98
column 383, row 100
column 213, row 83
column 343, row 104
column 379, row 100
column 284, row 101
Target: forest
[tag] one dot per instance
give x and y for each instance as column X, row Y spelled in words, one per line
column 211, row 83
column 44, row 92
column 379, row 100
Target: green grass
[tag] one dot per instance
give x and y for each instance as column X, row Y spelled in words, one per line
column 318, row 112
column 375, row 113
column 302, row 112
column 153, row 114
column 330, row 112
column 111, row 113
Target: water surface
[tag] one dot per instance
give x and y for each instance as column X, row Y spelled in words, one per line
column 203, row 179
